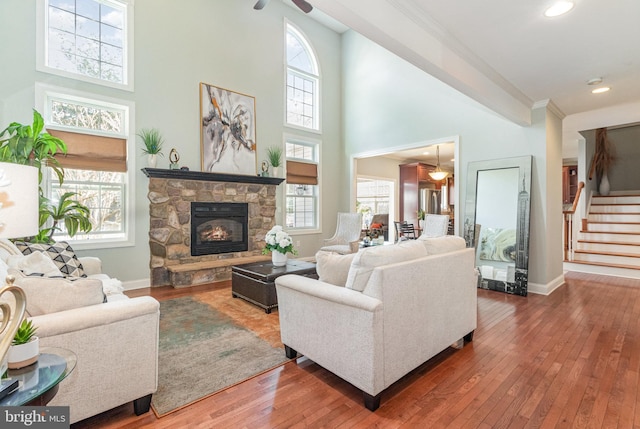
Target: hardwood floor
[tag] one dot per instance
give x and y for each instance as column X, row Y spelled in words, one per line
column 571, row 359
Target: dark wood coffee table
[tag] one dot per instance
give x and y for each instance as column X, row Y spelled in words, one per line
column 255, row 282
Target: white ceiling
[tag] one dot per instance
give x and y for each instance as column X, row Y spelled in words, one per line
column 427, row 155
column 505, row 53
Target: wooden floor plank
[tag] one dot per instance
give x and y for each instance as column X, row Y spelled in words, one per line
column 570, row 359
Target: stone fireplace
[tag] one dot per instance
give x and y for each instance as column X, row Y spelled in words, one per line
column 174, row 195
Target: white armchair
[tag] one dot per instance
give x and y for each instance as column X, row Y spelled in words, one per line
column 347, row 236
column 435, row 225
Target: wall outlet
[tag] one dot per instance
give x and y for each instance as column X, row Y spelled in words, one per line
column 297, row 243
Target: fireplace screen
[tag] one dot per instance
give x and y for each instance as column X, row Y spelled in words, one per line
column 218, row 228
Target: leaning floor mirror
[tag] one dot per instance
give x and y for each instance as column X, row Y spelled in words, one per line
column 496, row 222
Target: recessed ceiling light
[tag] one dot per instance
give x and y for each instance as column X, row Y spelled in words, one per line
column 601, row 90
column 594, row 81
column 558, row 8
column 453, row 159
column 425, row 153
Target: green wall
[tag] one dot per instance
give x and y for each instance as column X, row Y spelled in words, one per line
column 389, row 103
column 178, row 45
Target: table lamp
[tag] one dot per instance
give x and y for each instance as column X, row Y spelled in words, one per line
column 19, row 212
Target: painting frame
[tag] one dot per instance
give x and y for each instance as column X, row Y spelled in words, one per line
column 227, row 131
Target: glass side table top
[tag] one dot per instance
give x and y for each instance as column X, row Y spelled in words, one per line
column 53, row 365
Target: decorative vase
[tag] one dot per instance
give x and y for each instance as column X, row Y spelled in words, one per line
column 278, row 259
column 605, row 187
column 275, row 171
column 152, row 160
column 23, row 354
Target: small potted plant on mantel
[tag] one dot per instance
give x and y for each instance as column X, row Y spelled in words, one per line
column 274, row 154
column 25, row 348
column 153, row 142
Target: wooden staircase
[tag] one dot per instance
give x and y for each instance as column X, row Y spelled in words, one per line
column 611, row 239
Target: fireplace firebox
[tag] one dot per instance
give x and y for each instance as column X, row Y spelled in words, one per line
column 219, row 228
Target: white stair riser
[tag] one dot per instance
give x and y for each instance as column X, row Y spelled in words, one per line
column 614, row 217
column 626, row 208
column 598, row 236
column 596, row 269
column 607, row 259
column 616, row 199
column 614, row 227
column 606, row 247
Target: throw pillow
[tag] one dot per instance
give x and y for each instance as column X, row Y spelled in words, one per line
column 368, row 259
column 444, row 244
column 61, row 253
column 333, row 268
column 34, row 263
column 49, row 295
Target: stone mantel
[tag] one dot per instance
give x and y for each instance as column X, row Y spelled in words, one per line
column 164, row 173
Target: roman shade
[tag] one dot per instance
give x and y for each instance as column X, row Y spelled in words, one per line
column 302, row 173
column 91, row 152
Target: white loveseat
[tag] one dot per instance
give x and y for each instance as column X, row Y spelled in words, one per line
column 400, row 305
column 116, row 342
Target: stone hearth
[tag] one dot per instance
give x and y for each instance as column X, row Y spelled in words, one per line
column 170, row 195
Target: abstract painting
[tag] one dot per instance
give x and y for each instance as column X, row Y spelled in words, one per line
column 227, row 131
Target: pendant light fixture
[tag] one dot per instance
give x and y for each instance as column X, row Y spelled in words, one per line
column 438, row 174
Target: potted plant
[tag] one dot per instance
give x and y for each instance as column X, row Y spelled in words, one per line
column 274, row 154
column 31, row 145
column 279, row 243
column 25, row 348
column 421, row 215
column 153, row 142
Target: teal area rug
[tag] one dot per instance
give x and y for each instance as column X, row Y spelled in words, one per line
column 203, row 351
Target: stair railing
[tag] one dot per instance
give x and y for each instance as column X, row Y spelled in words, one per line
column 568, row 216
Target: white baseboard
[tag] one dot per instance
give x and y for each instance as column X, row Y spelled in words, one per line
column 548, row 288
column 136, row 284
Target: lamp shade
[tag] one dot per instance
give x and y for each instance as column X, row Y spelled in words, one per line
column 19, row 199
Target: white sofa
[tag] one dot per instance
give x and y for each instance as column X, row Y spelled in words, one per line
column 116, row 342
column 400, row 305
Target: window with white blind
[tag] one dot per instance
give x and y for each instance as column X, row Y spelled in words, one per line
column 90, row 40
column 97, row 168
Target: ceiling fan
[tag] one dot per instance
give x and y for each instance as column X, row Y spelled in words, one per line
column 302, row 4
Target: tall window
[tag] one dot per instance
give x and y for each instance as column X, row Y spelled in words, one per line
column 96, row 167
column 302, row 185
column 303, row 78
column 87, row 40
column 373, row 197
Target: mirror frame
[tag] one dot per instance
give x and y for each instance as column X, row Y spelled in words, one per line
column 524, row 165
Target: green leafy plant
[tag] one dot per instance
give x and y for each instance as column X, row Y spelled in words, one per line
column 421, row 214
column 152, row 140
column 31, row 145
column 75, row 216
column 274, row 154
column 25, row 333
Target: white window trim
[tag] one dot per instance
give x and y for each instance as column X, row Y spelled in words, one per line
column 318, row 78
column 43, row 94
column 295, row 138
column 42, row 41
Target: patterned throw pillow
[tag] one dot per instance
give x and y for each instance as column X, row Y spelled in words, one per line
column 61, row 253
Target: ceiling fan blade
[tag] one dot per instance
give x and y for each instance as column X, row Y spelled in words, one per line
column 260, row 4
column 302, row 4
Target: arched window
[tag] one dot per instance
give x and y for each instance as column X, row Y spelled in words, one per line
column 303, row 80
